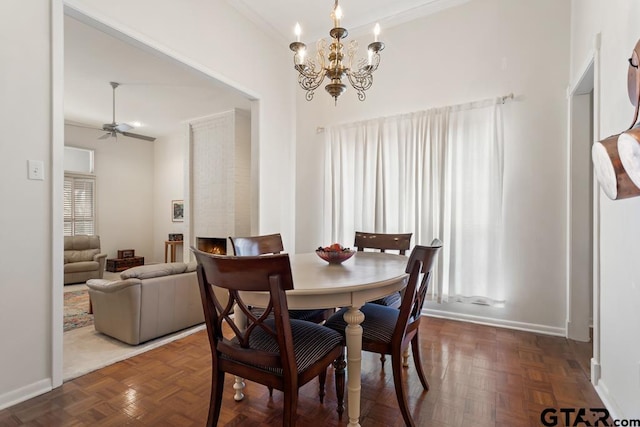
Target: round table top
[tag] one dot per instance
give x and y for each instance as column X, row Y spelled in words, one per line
column 363, row 277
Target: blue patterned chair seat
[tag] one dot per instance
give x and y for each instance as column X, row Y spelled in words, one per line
column 394, row 300
column 379, row 322
column 310, row 342
column 307, row 315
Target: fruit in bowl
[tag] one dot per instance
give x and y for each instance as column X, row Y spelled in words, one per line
column 335, row 253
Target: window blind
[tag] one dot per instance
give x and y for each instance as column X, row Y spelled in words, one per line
column 79, row 205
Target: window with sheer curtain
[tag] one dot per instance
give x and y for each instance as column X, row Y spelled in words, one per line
column 435, row 173
column 79, row 205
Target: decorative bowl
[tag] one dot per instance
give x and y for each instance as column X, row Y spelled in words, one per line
column 335, row 257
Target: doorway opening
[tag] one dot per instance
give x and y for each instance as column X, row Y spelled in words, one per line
column 583, row 219
column 580, row 207
column 153, row 240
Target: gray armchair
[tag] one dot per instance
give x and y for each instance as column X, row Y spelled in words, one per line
column 82, row 259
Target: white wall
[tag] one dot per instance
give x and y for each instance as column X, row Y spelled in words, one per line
column 25, row 219
column 484, row 48
column 124, row 171
column 580, row 314
column 617, row 21
column 169, row 184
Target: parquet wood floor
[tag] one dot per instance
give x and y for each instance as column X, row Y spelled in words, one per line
column 479, row 376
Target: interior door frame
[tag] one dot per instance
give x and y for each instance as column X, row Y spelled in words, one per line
column 589, row 79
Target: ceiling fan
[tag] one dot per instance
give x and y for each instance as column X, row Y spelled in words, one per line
column 114, row 128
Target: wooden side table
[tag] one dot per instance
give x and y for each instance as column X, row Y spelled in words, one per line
column 116, row 265
column 172, row 244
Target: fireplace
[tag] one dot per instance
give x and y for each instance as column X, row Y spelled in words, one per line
column 213, row 245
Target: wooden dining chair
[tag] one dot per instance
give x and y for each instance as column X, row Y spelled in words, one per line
column 257, row 245
column 271, row 349
column 389, row 331
column 383, row 242
column 272, row 244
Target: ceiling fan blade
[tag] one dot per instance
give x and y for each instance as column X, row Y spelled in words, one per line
column 105, row 136
column 123, row 127
column 81, row 125
column 135, row 135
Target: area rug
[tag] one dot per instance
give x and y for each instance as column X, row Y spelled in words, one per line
column 76, row 310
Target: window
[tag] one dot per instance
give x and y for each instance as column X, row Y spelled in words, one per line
column 435, row 173
column 78, row 160
column 79, row 204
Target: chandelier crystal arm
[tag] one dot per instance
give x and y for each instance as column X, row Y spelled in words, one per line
column 362, row 79
column 310, row 75
column 309, row 81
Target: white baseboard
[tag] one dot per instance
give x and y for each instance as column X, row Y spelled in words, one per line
column 25, row 393
column 500, row 323
column 595, row 371
column 608, row 401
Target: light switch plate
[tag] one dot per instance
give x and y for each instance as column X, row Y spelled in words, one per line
column 36, row 169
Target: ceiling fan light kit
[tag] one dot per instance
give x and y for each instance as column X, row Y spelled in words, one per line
column 114, row 128
column 311, row 74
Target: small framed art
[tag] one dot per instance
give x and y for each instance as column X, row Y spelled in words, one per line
column 177, row 210
column 126, row 253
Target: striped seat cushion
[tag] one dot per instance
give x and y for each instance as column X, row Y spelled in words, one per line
column 394, row 300
column 378, row 325
column 310, row 343
column 308, row 315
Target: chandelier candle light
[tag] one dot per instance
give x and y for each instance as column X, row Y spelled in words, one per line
column 312, row 72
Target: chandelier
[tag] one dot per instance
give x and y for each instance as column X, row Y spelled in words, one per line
column 313, row 71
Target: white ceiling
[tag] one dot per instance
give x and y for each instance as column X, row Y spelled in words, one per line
column 155, row 91
column 279, row 17
column 162, row 94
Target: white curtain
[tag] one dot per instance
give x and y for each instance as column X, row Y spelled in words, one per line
column 435, row 173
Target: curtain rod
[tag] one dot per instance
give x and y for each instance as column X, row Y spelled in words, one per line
column 457, row 107
column 482, row 102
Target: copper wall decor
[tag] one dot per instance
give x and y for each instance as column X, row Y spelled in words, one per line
column 616, row 159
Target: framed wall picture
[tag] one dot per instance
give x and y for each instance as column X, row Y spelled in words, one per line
column 177, row 210
column 126, row 253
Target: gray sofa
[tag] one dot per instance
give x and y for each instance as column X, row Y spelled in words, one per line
column 82, row 259
column 147, row 302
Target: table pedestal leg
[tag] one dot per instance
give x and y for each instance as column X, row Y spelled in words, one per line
column 238, row 385
column 405, row 357
column 354, row 317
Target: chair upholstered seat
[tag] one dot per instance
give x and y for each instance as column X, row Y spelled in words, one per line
column 387, row 330
column 310, row 341
column 378, row 326
column 315, row 316
column 394, row 300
